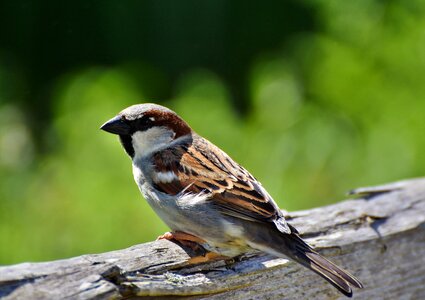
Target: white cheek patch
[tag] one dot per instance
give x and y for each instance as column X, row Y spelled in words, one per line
column 166, row 177
column 151, row 140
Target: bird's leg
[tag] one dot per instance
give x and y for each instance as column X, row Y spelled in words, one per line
column 207, row 257
column 188, row 240
column 194, row 243
column 181, row 236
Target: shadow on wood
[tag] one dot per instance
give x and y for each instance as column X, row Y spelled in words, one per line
column 379, row 237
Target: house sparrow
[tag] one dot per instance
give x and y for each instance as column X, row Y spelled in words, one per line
column 205, row 196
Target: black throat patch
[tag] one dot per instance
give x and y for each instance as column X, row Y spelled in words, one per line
column 126, row 142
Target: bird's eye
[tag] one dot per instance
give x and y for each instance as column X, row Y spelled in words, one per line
column 142, row 123
column 148, row 120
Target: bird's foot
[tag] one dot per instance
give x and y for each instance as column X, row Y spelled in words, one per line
column 188, row 240
column 207, row 257
column 194, row 243
column 181, row 236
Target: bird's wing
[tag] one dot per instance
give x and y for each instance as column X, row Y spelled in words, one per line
column 201, row 167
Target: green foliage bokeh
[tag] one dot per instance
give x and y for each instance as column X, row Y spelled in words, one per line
column 328, row 110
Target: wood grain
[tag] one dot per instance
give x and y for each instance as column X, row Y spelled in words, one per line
column 379, row 237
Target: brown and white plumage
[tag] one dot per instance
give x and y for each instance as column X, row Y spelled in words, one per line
column 198, row 166
column 197, row 188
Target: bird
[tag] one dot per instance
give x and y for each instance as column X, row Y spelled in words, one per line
column 205, row 197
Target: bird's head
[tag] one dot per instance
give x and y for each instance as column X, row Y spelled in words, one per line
column 145, row 128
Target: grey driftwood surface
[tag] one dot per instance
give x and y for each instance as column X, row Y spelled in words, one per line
column 379, row 237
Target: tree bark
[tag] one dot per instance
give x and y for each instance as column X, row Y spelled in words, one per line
column 379, row 237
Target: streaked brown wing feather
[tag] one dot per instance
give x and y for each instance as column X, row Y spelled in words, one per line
column 203, row 167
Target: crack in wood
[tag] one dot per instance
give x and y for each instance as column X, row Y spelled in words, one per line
column 381, row 241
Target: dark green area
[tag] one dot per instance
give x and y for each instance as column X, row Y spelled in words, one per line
column 313, row 97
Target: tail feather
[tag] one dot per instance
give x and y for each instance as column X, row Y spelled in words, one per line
column 333, row 279
column 305, row 255
column 328, row 265
column 268, row 239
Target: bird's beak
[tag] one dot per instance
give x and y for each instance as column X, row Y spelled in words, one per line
column 116, row 126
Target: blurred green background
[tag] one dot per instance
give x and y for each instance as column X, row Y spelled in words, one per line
column 314, row 97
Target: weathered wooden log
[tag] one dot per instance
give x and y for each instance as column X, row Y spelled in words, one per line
column 379, row 237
